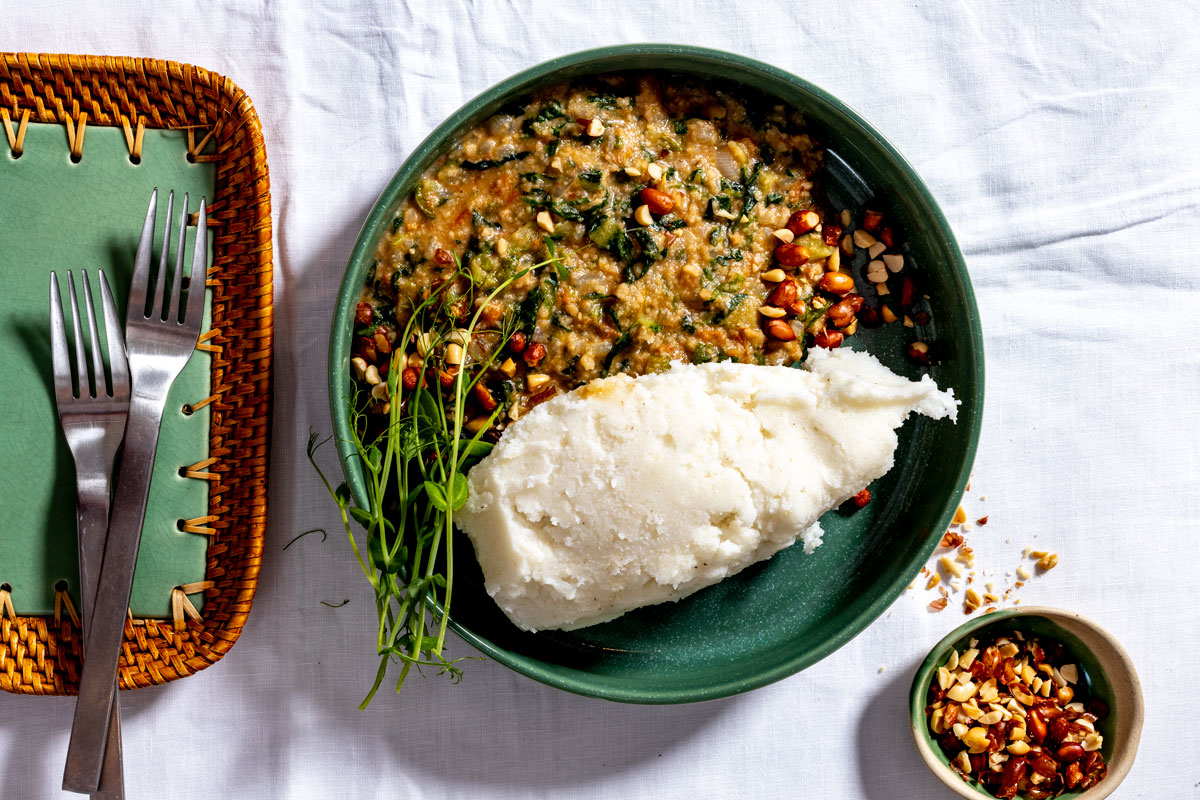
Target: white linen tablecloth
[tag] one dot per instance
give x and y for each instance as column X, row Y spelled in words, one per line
column 1061, row 139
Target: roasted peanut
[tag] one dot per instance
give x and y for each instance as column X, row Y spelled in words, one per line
column 1036, row 726
column 836, row 283
column 1069, row 751
column 908, row 292
column 977, row 740
column 801, row 222
column 918, row 353
column 829, row 339
column 780, row 330
column 534, row 354
column 659, row 202
column 383, row 345
column 791, row 255
column 364, row 314
column 784, row 294
column 870, row 317
column 830, row 234
column 516, row 344
column 484, row 397
column 840, row 314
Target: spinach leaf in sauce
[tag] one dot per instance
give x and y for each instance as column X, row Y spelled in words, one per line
column 623, row 342
column 479, row 166
column 481, row 222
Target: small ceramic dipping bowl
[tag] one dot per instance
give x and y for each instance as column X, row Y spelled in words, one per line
column 1104, row 668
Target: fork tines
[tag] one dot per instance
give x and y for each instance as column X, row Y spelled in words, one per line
column 93, row 382
column 161, row 304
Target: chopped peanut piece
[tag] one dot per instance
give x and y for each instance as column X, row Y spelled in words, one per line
column 1048, row 562
column 863, row 239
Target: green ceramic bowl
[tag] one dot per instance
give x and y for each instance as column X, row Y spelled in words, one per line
column 778, row 617
column 1106, row 670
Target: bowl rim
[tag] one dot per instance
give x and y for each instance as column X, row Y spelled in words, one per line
column 693, row 59
column 938, row 765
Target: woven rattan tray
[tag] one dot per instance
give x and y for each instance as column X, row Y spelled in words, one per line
column 41, row 654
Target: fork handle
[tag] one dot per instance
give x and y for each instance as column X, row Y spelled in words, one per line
column 92, row 504
column 102, row 648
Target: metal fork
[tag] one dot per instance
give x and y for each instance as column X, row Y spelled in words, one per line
column 162, row 328
column 93, row 421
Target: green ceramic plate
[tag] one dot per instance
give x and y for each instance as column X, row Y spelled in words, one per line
column 775, row 618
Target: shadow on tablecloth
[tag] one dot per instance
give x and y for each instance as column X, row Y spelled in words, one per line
column 888, row 764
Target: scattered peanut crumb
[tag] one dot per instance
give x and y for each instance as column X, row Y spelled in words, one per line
column 946, row 576
column 971, row 602
column 950, row 567
column 1048, row 562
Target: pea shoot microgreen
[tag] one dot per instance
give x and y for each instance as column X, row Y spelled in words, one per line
column 414, row 465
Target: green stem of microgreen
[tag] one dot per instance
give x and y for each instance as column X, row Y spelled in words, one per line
column 406, row 530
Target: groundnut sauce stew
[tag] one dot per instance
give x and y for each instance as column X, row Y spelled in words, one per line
column 616, row 225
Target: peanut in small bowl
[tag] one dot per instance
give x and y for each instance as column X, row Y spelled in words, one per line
column 1074, row 735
